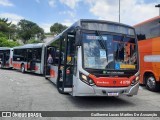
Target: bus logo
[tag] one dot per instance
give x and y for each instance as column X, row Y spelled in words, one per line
column 114, row 82
column 117, row 66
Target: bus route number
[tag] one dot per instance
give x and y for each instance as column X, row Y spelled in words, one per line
column 125, row 82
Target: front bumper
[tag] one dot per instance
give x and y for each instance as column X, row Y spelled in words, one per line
column 131, row 90
column 83, row 89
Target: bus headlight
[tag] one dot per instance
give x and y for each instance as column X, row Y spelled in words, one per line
column 137, row 78
column 86, row 79
column 135, row 81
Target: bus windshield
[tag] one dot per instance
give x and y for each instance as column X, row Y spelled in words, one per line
column 107, row 51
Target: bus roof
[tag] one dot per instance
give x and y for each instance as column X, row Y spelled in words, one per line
column 102, row 21
column 36, row 45
column 79, row 25
column 5, row 48
column 147, row 21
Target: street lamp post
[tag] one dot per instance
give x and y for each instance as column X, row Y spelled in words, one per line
column 119, row 11
column 158, row 7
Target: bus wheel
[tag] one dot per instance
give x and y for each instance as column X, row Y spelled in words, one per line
column 151, row 83
column 22, row 68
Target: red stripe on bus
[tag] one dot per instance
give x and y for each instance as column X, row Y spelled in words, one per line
column 112, row 82
column 7, row 64
column 11, row 61
column 26, row 66
column 52, row 73
column 17, row 65
column 36, row 68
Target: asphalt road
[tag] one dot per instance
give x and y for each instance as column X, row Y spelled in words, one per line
column 30, row 92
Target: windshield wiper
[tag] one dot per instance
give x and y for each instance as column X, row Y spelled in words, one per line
column 101, row 43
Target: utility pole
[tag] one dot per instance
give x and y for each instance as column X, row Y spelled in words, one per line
column 119, row 11
column 158, row 6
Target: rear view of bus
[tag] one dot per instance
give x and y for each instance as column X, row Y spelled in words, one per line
column 96, row 58
column 6, row 57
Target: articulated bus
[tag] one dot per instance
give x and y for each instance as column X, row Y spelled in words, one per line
column 94, row 58
column 148, row 34
column 29, row 58
column 6, row 57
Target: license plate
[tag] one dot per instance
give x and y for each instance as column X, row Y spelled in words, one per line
column 113, row 94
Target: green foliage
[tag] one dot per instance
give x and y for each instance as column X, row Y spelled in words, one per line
column 8, row 29
column 48, row 34
column 33, row 41
column 57, row 28
column 56, row 43
column 13, row 32
column 2, row 35
column 29, row 30
column 5, row 20
column 4, row 25
column 4, row 42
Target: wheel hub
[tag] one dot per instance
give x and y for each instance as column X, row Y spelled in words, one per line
column 151, row 82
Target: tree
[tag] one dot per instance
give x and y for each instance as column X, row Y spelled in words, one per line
column 4, row 42
column 5, row 20
column 4, row 25
column 13, row 32
column 57, row 28
column 29, row 30
column 8, row 29
column 31, row 41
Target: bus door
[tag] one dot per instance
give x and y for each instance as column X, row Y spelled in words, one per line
column 2, row 59
column 50, row 55
column 7, row 58
column 66, row 67
column 30, row 60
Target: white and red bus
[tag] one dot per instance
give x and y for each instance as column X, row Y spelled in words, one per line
column 29, row 58
column 6, row 57
column 94, row 58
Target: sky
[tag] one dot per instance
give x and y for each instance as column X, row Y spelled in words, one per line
column 47, row 12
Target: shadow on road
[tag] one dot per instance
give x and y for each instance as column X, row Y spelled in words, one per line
column 99, row 102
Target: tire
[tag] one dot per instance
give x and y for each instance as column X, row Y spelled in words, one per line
column 22, row 68
column 151, row 83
